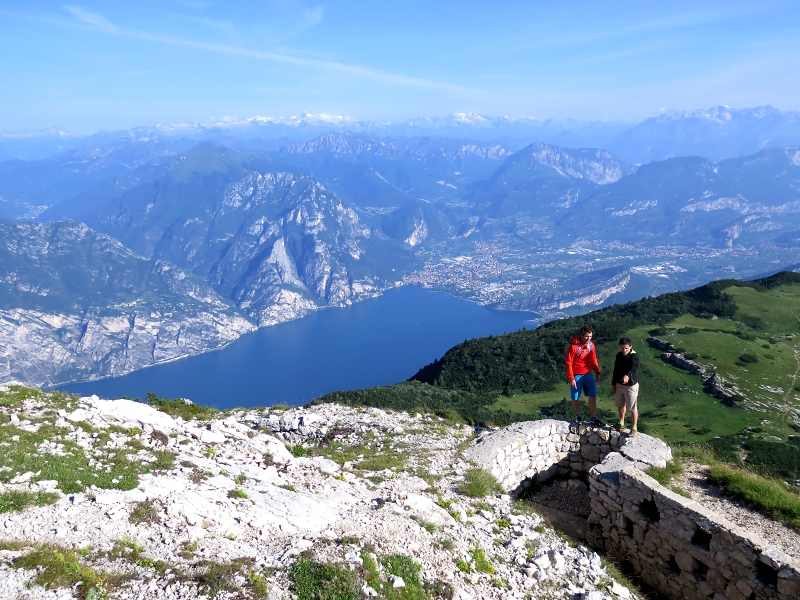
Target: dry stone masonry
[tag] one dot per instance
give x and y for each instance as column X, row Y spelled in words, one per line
column 678, row 547
column 539, row 450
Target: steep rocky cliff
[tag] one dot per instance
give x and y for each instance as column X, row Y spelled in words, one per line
column 78, row 305
column 275, row 243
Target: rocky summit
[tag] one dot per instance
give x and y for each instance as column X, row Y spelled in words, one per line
column 118, row 499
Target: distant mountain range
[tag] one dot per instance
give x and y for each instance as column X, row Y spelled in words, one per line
column 155, row 246
column 716, row 133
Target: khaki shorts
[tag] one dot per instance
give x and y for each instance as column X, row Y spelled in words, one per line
column 627, row 396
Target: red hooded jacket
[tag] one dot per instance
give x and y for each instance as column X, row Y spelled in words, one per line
column 581, row 359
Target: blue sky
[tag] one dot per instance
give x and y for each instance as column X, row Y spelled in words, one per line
column 86, row 65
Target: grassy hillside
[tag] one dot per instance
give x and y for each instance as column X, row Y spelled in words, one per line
column 747, row 332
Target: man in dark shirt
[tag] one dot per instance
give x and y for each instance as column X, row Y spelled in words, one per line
column 625, row 384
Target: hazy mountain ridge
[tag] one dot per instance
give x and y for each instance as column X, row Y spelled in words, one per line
column 78, row 305
column 716, row 133
column 692, row 198
column 27, row 185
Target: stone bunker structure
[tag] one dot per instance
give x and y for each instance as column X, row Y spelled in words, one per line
column 677, row 546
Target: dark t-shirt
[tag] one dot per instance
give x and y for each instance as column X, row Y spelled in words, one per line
column 626, row 365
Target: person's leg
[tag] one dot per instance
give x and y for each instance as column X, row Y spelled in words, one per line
column 574, row 394
column 632, row 404
column 621, row 414
column 590, row 390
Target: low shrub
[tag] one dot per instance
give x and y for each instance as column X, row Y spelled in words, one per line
column 688, row 330
column 478, row 484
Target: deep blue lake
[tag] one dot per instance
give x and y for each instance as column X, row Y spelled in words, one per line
column 375, row 342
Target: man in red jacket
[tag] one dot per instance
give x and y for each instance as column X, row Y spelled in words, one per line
column 581, row 361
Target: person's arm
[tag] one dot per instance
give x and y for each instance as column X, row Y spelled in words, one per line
column 634, row 372
column 615, row 374
column 570, row 357
column 595, row 364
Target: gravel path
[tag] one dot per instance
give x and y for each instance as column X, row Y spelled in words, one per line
column 694, row 481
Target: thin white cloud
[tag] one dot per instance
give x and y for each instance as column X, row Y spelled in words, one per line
column 676, row 21
column 101, row 24
column 620, row 54
column 90, row 18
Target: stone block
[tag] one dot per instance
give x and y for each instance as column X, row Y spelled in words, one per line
column 652, row 537
column 744, row 555
column 598, row 508
column 715, row 579
column 734, row 594
column 647, row 450
column 685, row 562
column 591, row 453
column 573, row 437
column 704, row 590
column 744, row 587
column 789, row 587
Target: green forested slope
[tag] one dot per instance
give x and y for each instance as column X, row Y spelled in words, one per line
column 533, row 361
column 520, row 376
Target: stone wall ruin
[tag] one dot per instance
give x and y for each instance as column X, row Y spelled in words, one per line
column 677, row 546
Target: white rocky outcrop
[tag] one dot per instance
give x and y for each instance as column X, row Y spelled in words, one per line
column 235, row 492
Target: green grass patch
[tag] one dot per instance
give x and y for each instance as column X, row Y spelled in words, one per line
column 78, row 468
column 145, row 512
column 482, row 564
column 238, row 493
column 387, row 460
column 768, row 496
column 61, row 568
column 180, row 408
column 297, row 450
column 213, row 578
column 462, row 565
column 312, row 580
column 667, row 474
column 17, row 501
column 405, row 567
column 478, row 484
column 427, row 526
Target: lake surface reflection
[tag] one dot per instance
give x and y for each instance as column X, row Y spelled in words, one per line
column 375, row 342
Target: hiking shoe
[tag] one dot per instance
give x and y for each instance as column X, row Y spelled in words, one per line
column 578, row 418
column 595, row 421
column 633, row 433
column 618, row 427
